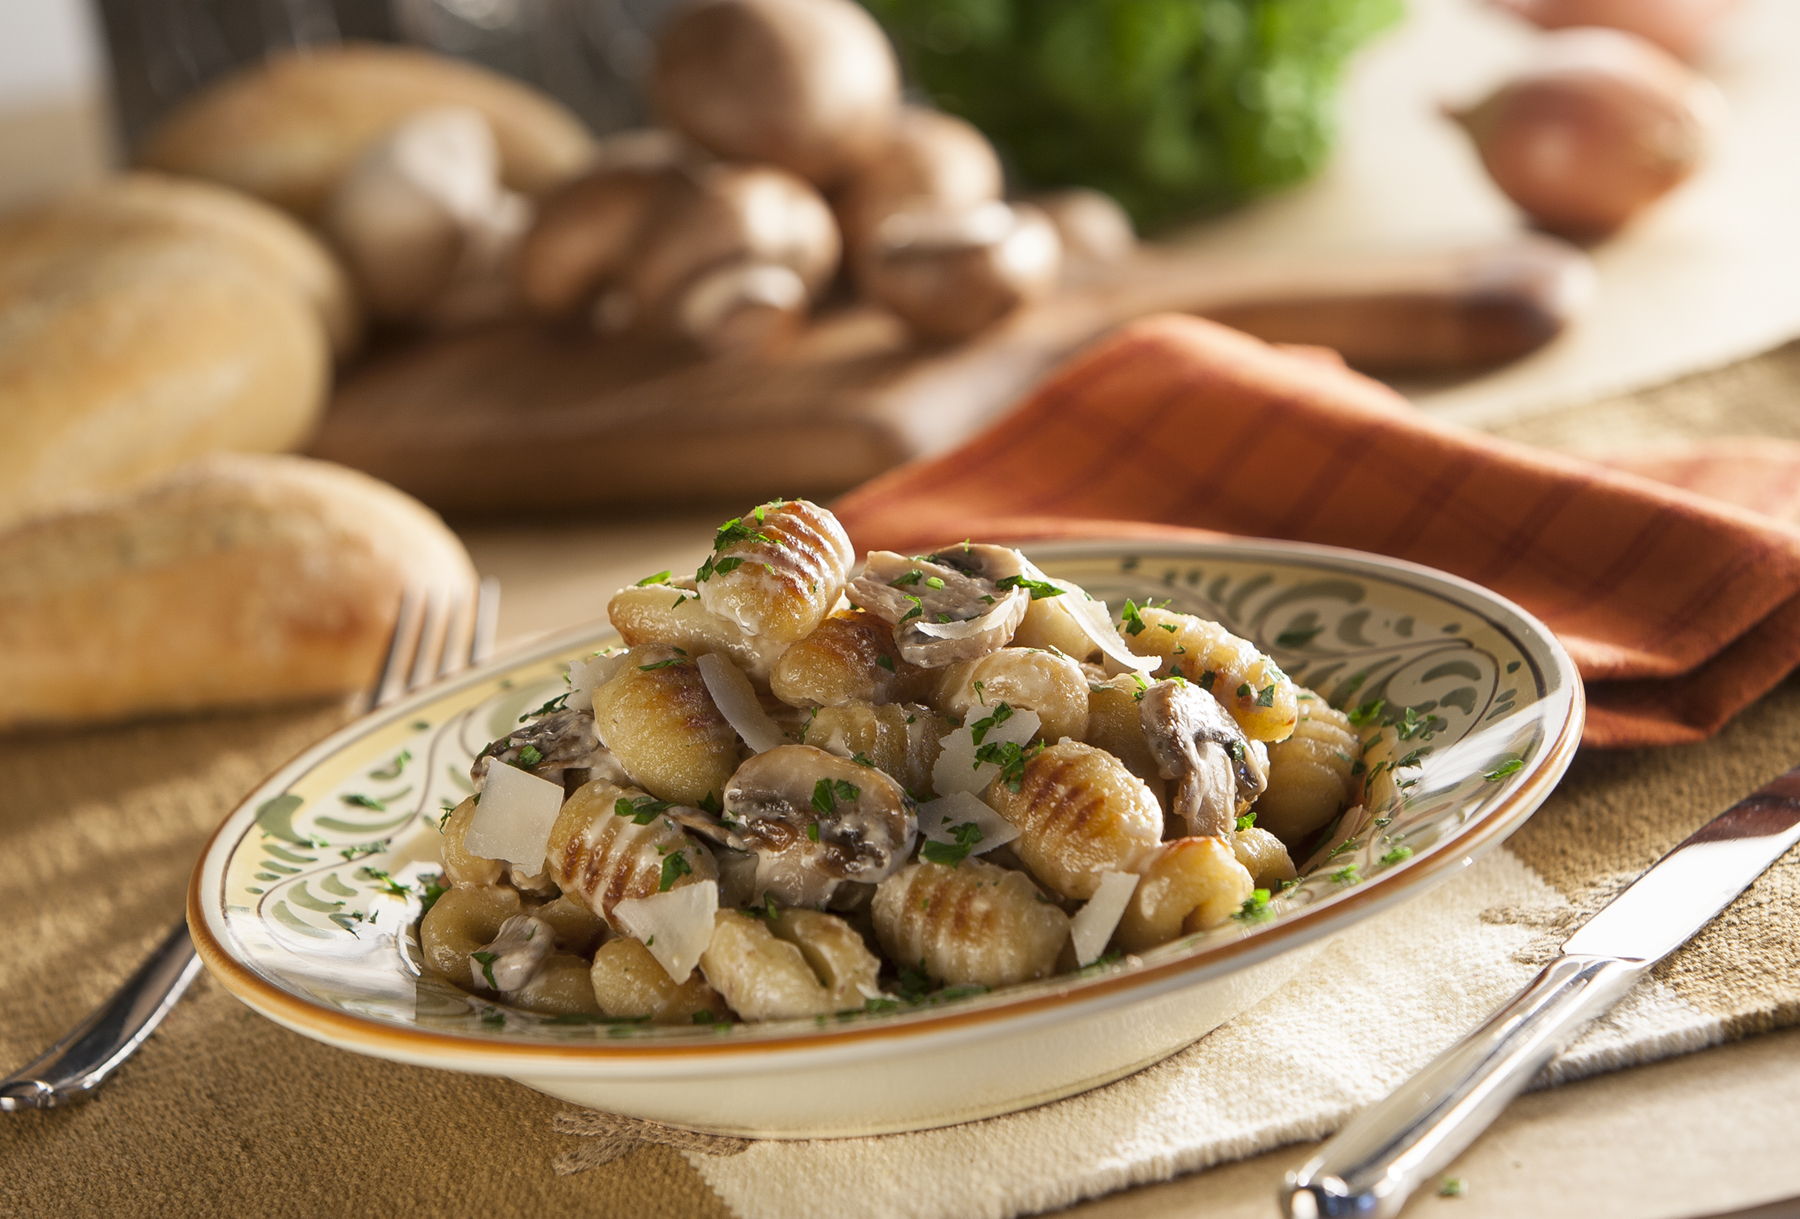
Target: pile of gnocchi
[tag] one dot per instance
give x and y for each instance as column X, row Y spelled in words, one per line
column 803, row 787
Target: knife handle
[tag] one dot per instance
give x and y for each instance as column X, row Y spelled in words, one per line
column 1372, row 1166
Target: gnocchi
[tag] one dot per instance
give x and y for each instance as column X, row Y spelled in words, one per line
column 915, row 776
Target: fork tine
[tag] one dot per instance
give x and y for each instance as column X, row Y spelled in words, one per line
column 487, row 619
column 459, row 631
column 408, row 618
column 434, row 636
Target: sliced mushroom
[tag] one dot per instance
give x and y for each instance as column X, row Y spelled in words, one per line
column 515, row 954
column 1196, row 743
column 815, row 820
column 567, row 749
column 940, row 614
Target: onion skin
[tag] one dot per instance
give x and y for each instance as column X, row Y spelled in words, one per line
column 1680, row 27
column 1599, row 128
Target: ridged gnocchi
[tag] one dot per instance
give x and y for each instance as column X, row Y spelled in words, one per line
column 777, row 572
column 901, row 739
column 1080, row 813
column 972, row 924
column 798, row 963
column 915, row 777
column 628, row 983
column 610, row 843
column 1260, row 697
column 657, row 718
column 1311, row 774
column 1185, row 886
column 849, row 658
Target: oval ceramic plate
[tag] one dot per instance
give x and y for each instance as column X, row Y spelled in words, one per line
column 305, row 900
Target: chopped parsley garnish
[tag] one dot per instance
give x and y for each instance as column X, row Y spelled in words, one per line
column 734, row 531
column 385, row 880
column 1039, row 589
column 392, row 770
column 964, row 837
column 661, row 577
column 886, row 662
column 1132, row 619
column 812, row 831
column 863, row 759
column 980, row 728
column 1171, row 628
column 918, row 608
column 1244, row 691
column 1396, row 855
column 486, row 961
column 1255, row 908
column 555, row 704
column 1348, row 844
column 826, row 794
column 431, row 887
column 444, row 817
column 1508, row 766
column 529, row 756
column 361, row 849
column 1346, row 875
column 934, row 582
column 910, row 578
column 674, row 866
column 1206, row 680
column 1368, row 713
column 768, row 910
column 1010, row 758
column 1246, row 820
column 642, row 810
column 1143, row 687
column 361, row 801
column 663, row 664
column 1265, row 697
column 1452, row 1187
column 880, row 1003
column 710, row 803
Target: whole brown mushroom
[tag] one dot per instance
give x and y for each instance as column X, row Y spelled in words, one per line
column 1094, row 229
column 809, row 85
column 728, row 256
column 948, row 276
column 928, row 160
column 585, row 230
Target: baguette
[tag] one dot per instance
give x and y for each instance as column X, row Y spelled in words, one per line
column 238, row 580
column 123, row 359
column 149, row 206
column 287, row 129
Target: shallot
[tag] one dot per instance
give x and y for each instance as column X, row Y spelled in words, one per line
column 1680, row 27
column 1600, row 127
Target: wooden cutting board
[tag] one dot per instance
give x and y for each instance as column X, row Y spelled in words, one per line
column 519, row 416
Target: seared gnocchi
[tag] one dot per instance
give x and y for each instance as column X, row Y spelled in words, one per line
column 801, row 790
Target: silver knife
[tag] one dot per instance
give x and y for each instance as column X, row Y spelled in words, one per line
column 1372, row 1166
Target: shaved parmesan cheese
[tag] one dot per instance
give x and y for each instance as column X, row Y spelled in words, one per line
column 1093, row 924
column 589, row 674
column 938, row 817
column 957, row 769
column 513, row 819
column 1095, row 621
column 736, row 700
column 675, row 926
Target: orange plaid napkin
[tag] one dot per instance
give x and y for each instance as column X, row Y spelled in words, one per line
column 1680, row 608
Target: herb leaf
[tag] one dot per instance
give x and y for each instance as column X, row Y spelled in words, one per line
column 674, row 866
column 1508, row 766
column 827, row 792
column 981, row 727
column 1039, row 589
column 642, row 811
column 964, row 837
column 486, row 961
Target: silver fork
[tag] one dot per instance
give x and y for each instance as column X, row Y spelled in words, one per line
column 433, row 638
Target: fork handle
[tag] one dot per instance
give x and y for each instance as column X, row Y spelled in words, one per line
column 1372, row 1166
column 93, row 1049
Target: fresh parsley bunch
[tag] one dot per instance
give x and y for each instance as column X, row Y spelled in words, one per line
column 1175, row 107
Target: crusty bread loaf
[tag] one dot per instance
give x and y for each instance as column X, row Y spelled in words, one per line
column 136, row 206
column 121, row 359
column 287, row 129
column 240, row 579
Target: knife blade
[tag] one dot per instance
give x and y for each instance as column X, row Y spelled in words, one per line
column 1371, row 1166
